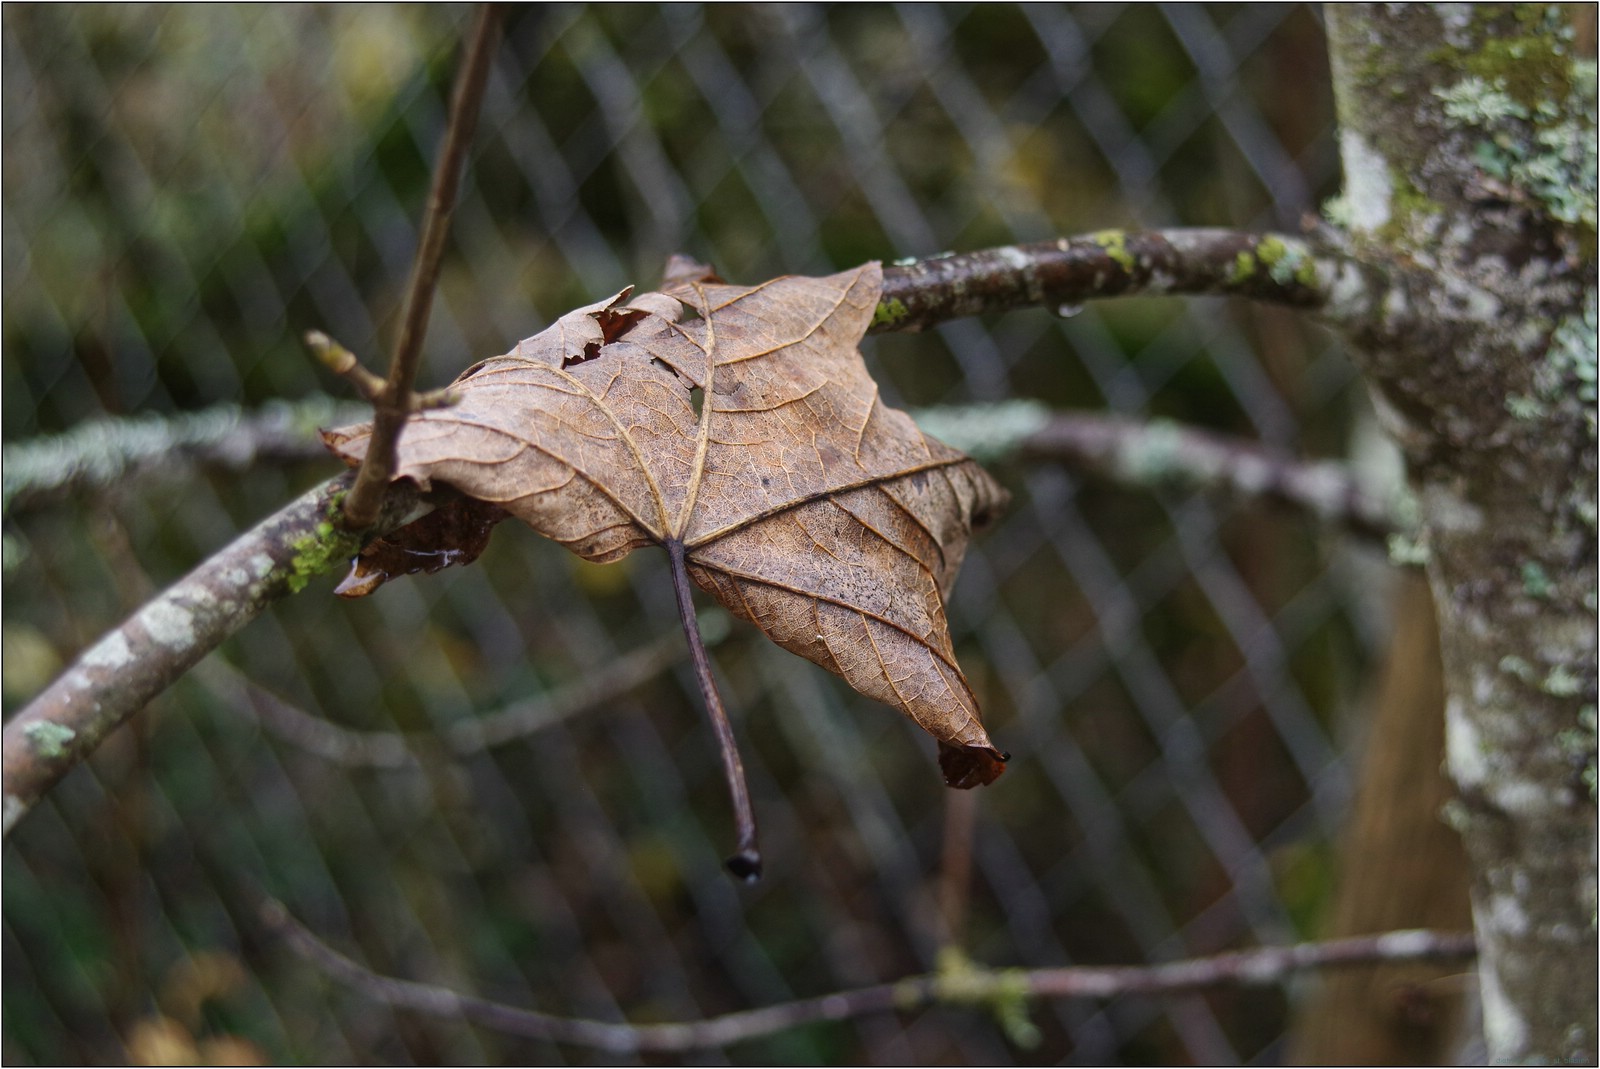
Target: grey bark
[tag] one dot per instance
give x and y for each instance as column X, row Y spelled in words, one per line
column 118, row 675
column 1467, row 134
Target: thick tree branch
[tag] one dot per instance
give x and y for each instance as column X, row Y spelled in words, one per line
column 393, row 405
column 1276, row 268
column 119, row 674
column 1005, row 992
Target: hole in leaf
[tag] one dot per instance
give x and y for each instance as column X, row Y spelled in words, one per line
column 614, row 324
column 697, row 398
column 590, row 351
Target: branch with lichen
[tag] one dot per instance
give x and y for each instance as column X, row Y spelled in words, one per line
column 114, row 678
column 1156, row 453
column 1276, row 268
column 110, row 452
column 1005, row 993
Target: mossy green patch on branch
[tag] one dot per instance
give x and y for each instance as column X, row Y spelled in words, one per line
column 1155, row 456
column 1558, row 681
column 321, row 551
column 891, row 312
column 1003, row 992
column 984, row 432
column 1573, row 363
column 1287, row 264
column 1115, row 242
column 1406, row 550
column 1579, row 744
column 1244, row 269
column 1532, row 60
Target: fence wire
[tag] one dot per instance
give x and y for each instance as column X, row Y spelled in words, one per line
column 188, row 189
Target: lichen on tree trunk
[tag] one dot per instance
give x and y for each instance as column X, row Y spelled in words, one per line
column 1468, row 142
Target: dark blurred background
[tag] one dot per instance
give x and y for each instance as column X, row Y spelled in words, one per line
column 188, row 189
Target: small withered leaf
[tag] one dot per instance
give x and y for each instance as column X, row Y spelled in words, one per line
column 456, row 532
column 801, row 501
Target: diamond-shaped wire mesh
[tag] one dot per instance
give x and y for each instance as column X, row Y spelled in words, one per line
column 186, row 190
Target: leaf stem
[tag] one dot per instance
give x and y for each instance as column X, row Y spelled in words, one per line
column 746, row 863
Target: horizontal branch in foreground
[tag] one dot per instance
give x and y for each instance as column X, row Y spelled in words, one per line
column 1004, row 992
column 119, row 674
column 1276, row 268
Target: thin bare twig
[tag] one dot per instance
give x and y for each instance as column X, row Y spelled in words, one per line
column 1003, row 991
column 342, row 362
column 393, row 750
column 393, row 405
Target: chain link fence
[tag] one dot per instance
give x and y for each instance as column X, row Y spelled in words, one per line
column 187, row 190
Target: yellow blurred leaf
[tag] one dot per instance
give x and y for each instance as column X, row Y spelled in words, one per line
column 162, row 1041
column 30, row 660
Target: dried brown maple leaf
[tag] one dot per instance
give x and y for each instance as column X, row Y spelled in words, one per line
column 738, row 428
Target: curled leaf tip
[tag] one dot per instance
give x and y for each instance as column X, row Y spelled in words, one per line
column 681, row 267
column 361, row 581
column 965, row 767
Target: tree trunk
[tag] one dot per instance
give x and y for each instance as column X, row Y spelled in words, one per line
column 1467, row 134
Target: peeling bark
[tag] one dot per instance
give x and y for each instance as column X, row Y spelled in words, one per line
column 1467, row 137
